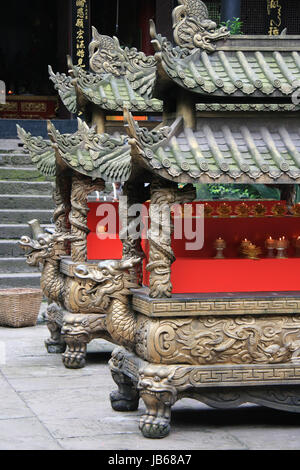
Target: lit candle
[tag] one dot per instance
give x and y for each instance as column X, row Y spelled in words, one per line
column 281, row 246
column 282, row 243
column 270, row 243
column 244, row 244
column 220, row 245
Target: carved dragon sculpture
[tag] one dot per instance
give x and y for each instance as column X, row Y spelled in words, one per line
column 110, row 293
column 193, row 28
column 47, row 250
column 73, row 330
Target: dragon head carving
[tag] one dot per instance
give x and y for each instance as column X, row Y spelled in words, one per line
column 193, row 28
column 44, row 246
column 105, row 54
column 109, row 280
column 82, row 326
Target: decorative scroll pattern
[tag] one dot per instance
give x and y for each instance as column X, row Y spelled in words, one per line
column 216, row 307
column 217, row 340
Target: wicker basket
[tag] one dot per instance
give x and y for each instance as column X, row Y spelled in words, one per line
column 20, row 307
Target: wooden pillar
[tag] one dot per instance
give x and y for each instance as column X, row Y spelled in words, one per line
column 230, row 9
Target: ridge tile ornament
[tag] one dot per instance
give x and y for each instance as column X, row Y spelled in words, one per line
column 210, row 342
column 193, row 28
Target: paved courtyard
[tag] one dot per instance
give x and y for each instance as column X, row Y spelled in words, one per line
column 45, row 406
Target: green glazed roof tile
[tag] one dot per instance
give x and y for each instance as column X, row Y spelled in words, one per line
column 224, row 150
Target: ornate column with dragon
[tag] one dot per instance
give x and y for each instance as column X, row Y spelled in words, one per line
column 82, row 186
column 161, row 256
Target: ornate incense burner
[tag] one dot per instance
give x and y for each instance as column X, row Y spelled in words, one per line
column 223, row 331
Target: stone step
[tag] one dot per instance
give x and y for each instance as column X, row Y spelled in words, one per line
column 26, row 187
column 16, row 265
column 10, row 248
column 19, row 280
column 16, row 231
column 21, row 173
column 17, row 216
column 21, row 201
column 16, row 159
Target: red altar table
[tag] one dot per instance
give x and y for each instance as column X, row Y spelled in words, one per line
column 198, row 271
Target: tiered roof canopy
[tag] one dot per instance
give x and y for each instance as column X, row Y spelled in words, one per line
column 260, row 75
column 225, row 149
column 241, row 66
column 119, row 78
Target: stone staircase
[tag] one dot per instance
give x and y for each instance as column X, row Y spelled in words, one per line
column 24, row 195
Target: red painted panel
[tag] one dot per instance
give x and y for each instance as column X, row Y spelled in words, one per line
column 197, row 271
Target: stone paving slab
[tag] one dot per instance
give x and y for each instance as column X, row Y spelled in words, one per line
column 43, row 405
column 26, row 434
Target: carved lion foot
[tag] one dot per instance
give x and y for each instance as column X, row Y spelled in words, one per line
column 126, row 398
column 155, row 423
column 55, row 347
column 122, row 402
column 154, row 427
column 55, row 344
column 74, row 357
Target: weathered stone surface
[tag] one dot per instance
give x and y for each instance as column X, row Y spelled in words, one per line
column 45, row 406
column 25, row 187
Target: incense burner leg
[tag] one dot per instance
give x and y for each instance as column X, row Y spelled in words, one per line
column 78, row 330
column 76, row 338
column 126, row 398
column 55, row 344
column 158, row 397
column 74, row 357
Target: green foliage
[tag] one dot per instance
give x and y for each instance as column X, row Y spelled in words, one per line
column 234, row 26
column 206, row 192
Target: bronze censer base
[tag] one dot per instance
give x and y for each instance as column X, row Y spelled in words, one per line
column 220, row 350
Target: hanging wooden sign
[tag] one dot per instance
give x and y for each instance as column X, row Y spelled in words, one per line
column 80, row 32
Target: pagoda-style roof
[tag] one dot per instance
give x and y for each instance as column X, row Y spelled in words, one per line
column 247, row 108
column 207, row 61
column 119, row 77
column 241, row 66
column 86, row 152
column 222, row 150
column 110, row 93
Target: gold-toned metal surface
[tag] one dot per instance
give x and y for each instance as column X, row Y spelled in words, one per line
column 197, row 306
column 161, row 255
column 82, row 186
column 160, row 386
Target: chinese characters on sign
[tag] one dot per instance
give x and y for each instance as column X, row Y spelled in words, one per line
column 274, row 13
column 80, row 31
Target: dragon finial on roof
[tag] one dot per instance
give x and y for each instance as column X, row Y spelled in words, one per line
column 193, row 28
